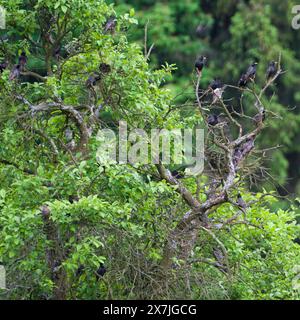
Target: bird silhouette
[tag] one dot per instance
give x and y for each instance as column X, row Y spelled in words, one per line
column 200, row 63
column 104, row 68
column 213, row 119
column 271, row 70
column 243, row 81
column 92, row 80
column 249, row 75
column 100, row 272
column 251, row 72
column 215, row 84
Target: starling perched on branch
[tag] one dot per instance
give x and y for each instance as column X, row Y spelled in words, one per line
column 92, row 80
column 215, row 84
column 243, row 81
column 272, row 70
column 200, row 63
column 251, row 72
column 22, row 60
column 15, row 72
column 213, row 119
column 249, row 75
column 177, row 174
column 100, row 272
column 73, row 198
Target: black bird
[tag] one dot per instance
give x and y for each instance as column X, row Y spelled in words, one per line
column 241, row 202
column 272, row 70
column 177, row 174
column 110, row 25
column 92, row 80
column 200, row 63
column 22, row 60
column 104, row 68
column 213, row 119
column 15, row 72
column 249, row 75
column 3, row 66
column 243, row 81
column 251, row 72
column 216, row 84
column 100, row 272
column 73, row 198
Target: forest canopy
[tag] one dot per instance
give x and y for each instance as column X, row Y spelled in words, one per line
column 75, row 225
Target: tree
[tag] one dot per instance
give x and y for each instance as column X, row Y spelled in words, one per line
column 232, row 35
column 63, row 213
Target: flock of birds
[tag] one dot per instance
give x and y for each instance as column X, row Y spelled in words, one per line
column 245, row 77
column 17, row 68
column 218, row 88
column 109, row 27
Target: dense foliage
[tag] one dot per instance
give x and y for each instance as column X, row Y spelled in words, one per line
column 65, row 209
column 232, row 34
